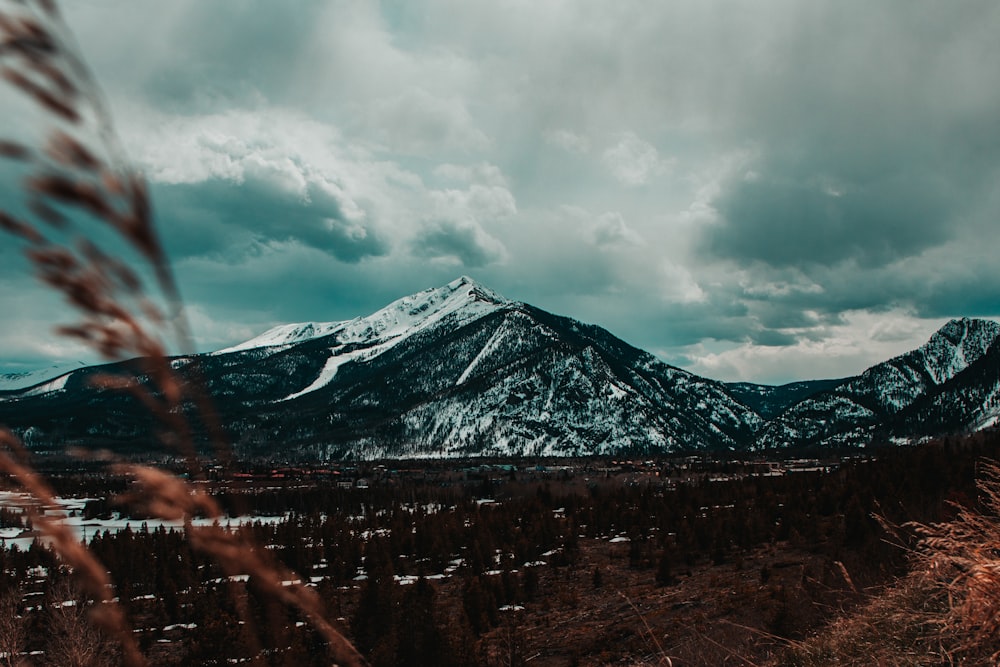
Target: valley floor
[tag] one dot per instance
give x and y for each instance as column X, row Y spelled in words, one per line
column 593, row 564
column 732, row 613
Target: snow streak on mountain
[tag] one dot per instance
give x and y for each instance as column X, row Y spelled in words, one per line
column 459, row 371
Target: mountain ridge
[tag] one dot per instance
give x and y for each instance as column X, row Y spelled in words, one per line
column 459, row 370
column 866, row 400
column 410, row 312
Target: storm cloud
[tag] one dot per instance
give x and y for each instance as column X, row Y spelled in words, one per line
column 782, row 221
column 752, row 192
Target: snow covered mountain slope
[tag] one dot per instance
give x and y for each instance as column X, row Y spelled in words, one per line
column 770, row 401
column 457, row 302
column 461, row 371
column 970, row 401
column 17, row 381
column 851, row 413
column 473, row 373
column 456, row 370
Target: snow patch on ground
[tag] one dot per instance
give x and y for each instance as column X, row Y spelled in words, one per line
column 53, row 385
column 326, row 375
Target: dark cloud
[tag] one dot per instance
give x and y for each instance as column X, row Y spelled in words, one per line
column 775, row 315
column 225, row 54
column 770, row 171
column 871, row 158
column 213, row 215
column 462, row 241
column 264, row 283
column 653, row 325
column 961, row 286
column 771, row 338
column 786, row 222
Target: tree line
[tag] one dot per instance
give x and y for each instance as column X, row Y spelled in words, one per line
column 379, row 556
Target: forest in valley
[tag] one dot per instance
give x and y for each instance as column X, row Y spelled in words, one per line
column 505, row 564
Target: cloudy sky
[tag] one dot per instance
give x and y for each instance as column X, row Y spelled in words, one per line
column 765, row 191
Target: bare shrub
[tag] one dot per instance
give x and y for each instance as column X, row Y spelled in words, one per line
column 73, row 641
column 897, row 628
column 13, row 628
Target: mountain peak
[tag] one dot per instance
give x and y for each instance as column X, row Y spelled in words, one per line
column 461, row 300
column 954, row 327
column 956, row 345
column 469, row 287
column 960, row 328
column 965, row 331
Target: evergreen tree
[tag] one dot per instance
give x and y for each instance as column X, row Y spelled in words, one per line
column 420, row 638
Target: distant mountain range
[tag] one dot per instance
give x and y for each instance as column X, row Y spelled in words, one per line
column 461, row 371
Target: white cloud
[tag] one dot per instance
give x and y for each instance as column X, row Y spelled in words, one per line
column 176, row 149
column 678, row 285
column 478, row 202
column 779, row 289
column 862, row 340
column 214, row 333
column 418, row 122
column 568, row 141
column 458, row 242
column 633, row 161
column 610, row 229
column 483, row 173
column 455, row 229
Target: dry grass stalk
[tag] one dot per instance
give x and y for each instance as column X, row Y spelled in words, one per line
column 961, row 559
column 661, row 655
column 898, row 628
column 946, row 611
column 78, row 191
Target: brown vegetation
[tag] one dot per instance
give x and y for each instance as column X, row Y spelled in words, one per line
column 945, row 611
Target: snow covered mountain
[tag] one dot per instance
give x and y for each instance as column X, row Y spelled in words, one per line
column 852, row 413
column 770, row 401
column 456, row 303
column 970, row 401
column 459, row 371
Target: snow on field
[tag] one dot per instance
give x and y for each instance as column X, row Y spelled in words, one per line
column 69, row 511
